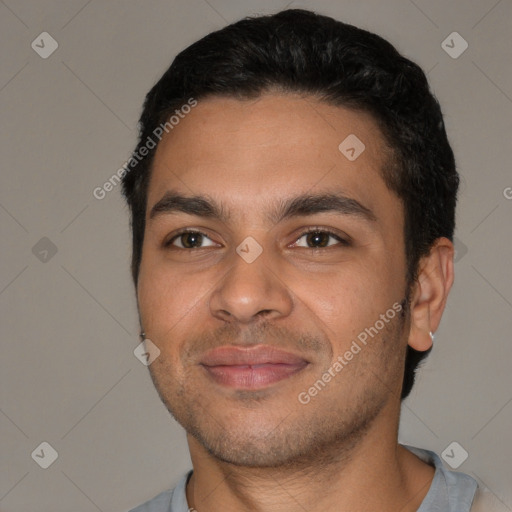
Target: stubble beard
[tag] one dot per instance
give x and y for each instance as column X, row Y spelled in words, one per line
column 303, row 437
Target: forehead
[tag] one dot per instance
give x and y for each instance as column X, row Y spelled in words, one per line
column 274, row 146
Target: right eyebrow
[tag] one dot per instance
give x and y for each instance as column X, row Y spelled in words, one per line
column 200, row 206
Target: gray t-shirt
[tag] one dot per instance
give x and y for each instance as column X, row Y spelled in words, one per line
column 450, row 491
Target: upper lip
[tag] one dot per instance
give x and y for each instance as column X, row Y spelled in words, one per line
column 259, row 354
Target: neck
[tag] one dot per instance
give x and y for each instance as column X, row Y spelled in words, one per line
column 371, row 473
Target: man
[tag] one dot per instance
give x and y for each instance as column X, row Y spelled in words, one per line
column 293, row 197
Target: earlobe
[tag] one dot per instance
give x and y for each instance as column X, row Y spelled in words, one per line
column 431, row 290
column 419, row 334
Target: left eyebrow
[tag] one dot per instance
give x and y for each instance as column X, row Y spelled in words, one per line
column 309, row 204
column 303, row 205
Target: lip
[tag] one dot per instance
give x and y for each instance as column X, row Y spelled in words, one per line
column 251, row 367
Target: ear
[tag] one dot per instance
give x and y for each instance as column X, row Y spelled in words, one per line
column 430, row 293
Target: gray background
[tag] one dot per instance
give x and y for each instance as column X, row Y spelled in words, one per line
column 69, row 325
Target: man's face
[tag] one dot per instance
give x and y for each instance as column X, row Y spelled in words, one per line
column 285, row 315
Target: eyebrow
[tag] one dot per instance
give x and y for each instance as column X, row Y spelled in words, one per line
column 303, row 205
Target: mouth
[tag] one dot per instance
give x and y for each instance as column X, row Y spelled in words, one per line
column 251, row 368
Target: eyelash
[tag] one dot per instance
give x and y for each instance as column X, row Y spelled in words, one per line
column 342, row 241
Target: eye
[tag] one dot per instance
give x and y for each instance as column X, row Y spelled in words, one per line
column 189, row 240
column 318, row 239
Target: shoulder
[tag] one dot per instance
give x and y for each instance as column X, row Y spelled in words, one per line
column 486, row 501
column 450, row 490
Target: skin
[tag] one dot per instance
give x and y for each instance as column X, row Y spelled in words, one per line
column 263, row 450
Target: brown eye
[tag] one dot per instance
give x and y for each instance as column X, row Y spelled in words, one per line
column 318, row 239
column 189, row 240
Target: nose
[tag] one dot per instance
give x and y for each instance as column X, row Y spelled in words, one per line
column 249, row 291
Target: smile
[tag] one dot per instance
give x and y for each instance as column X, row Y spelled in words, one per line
column 251, row 368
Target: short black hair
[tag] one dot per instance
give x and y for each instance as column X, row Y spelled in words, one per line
column 299, row 51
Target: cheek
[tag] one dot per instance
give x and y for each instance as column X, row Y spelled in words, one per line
column 164, row 296
column 349, row 299
column 167, row 305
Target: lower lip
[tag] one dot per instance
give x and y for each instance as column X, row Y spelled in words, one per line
column 252, row 377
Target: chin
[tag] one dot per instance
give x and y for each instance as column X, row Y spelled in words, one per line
column 266, row 451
